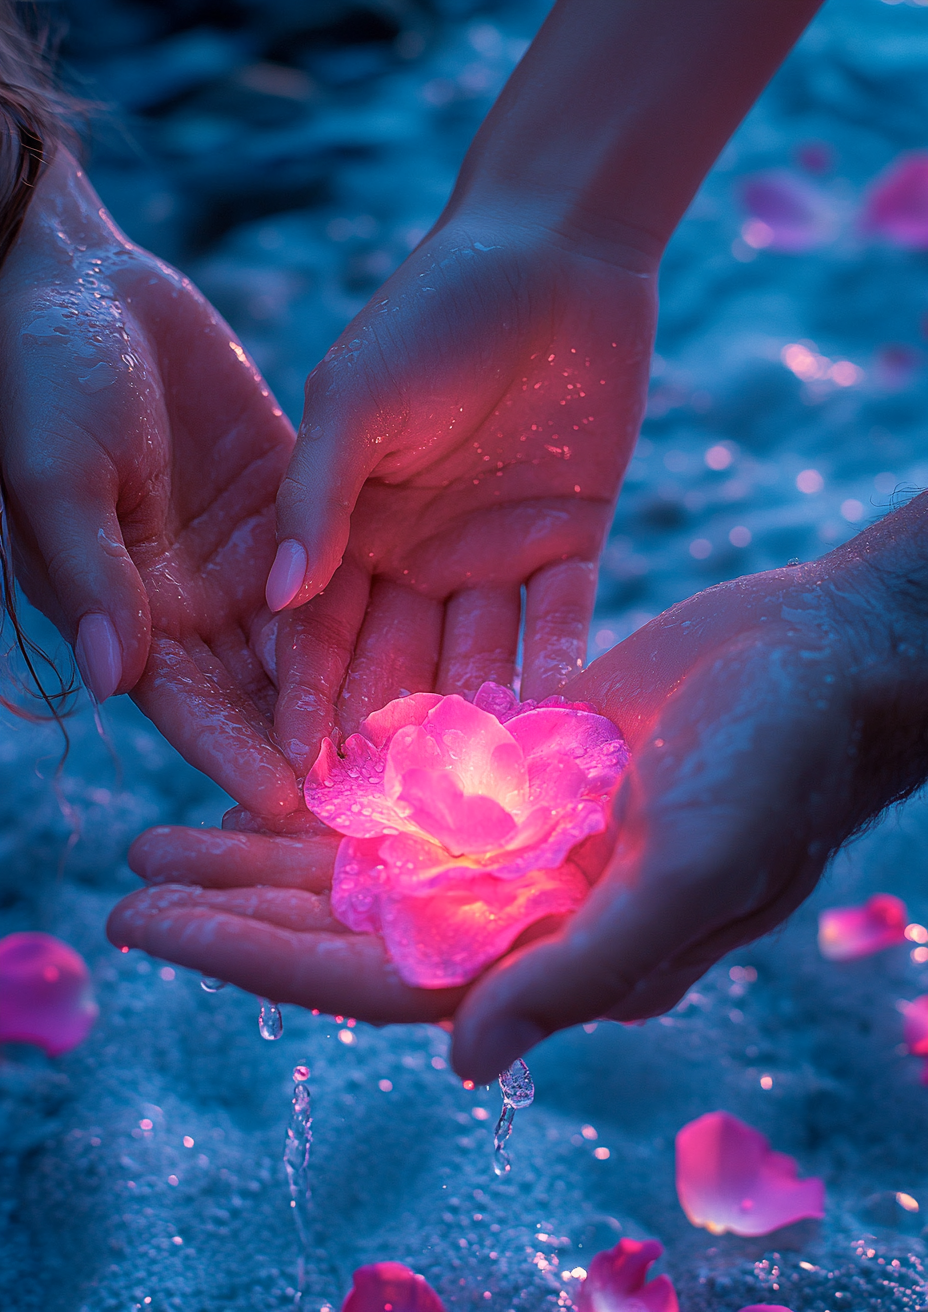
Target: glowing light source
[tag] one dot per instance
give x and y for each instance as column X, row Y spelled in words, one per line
column 845, row 933
column 45, row 993
column 729, row 1179
column 390, row 1285
column 617, row 1281
column 459, row 820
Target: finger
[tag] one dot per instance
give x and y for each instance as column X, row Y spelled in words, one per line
column 214, row 727
column 344, row 974
column 78, row 571
column 558, row 609
column 396, row 652
column 221, row 858
column 479, row 640
column 314, row 647
column 338, row 444
column 288, row 908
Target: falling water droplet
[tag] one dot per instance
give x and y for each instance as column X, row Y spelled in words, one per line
column 210, row 985
column 296, row 1163
column 518, row 1090
column 270, row 1021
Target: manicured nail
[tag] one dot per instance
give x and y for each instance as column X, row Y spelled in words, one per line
column 507, row 1039
column 287, row 574
column 98, row 654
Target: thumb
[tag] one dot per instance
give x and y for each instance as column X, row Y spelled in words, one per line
column 341, row 439
column 73, row 564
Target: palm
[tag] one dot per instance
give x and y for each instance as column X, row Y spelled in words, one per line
column 141, row 455
column 478, row 415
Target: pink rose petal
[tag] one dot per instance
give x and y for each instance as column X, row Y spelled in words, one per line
column 729, row 1179
column 896, row 207
column 793, row 214
column 45, row 993
column 765, row 1307
column 616, row 1281
column 845, row 933
column 458, row 828
column 915, row 1030
column 390, row 1287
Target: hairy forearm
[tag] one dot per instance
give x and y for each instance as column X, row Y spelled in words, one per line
column 619, row 109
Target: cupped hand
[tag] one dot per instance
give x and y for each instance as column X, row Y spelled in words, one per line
column 462, row 441
column 141, row 454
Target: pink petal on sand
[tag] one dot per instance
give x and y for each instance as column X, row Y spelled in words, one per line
column 346, row 792
column 438, row 804
column 591, row 741
column 793, row 214
column 915, row 1027
column 390, row 1287
column 729, row 1179
column 45, row 993
column 616, row 1281
column 896, row 207
column 380, row 726
column 845, row 933
column 455, row 735
column 765, row 1307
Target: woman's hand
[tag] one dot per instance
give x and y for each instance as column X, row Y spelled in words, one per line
column 463, row 439
column 768, row 718
column 141, row 454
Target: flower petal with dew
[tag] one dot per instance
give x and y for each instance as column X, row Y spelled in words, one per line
column 45, row 993
column 896, row 206
column 616, row 1281
column 390, row 1287
column 845, row 933
column 459, row 819
column 786, row 212
column 729, row 1179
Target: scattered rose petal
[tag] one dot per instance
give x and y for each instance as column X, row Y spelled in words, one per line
column 459, row 819
column 786, row 212
column 616, row 1281
column 45, row 993
column 896, row 206
column 729, row 1179
column 392, row 1287
column 845, row 933
column 765, row 1307
column 915, row 1030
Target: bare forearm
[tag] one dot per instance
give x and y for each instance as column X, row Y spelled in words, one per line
column 620, row 107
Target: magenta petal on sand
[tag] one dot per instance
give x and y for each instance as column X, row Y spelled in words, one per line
column 45, row 993
column 729, row 1179
column 896, row 207
column 616, row 1281
column 915, row 1027
column 786, row 212
column 766, row 1307
column 390, row 1287
column 848, row 932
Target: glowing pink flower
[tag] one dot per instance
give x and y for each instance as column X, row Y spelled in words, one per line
column 45, row 993
column 896, row 207
column 459, row 820
column 390, row 1287
column 728, row 1178
column 616, row 1281
column 786, row 212
column 915, row 1030
column 845, row 933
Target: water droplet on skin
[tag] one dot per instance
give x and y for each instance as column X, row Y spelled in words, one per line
column 518, row 1090
column 210, row 985
column 270, row 1021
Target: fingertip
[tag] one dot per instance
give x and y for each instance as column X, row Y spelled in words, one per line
column 99, row 655
column 287, row 574
column 480, row 1051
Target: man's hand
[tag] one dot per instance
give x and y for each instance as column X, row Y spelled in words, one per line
column 464, row 439
column 141, row 454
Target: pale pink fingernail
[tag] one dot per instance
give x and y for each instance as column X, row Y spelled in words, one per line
column 99, row 655
column 287, row 574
